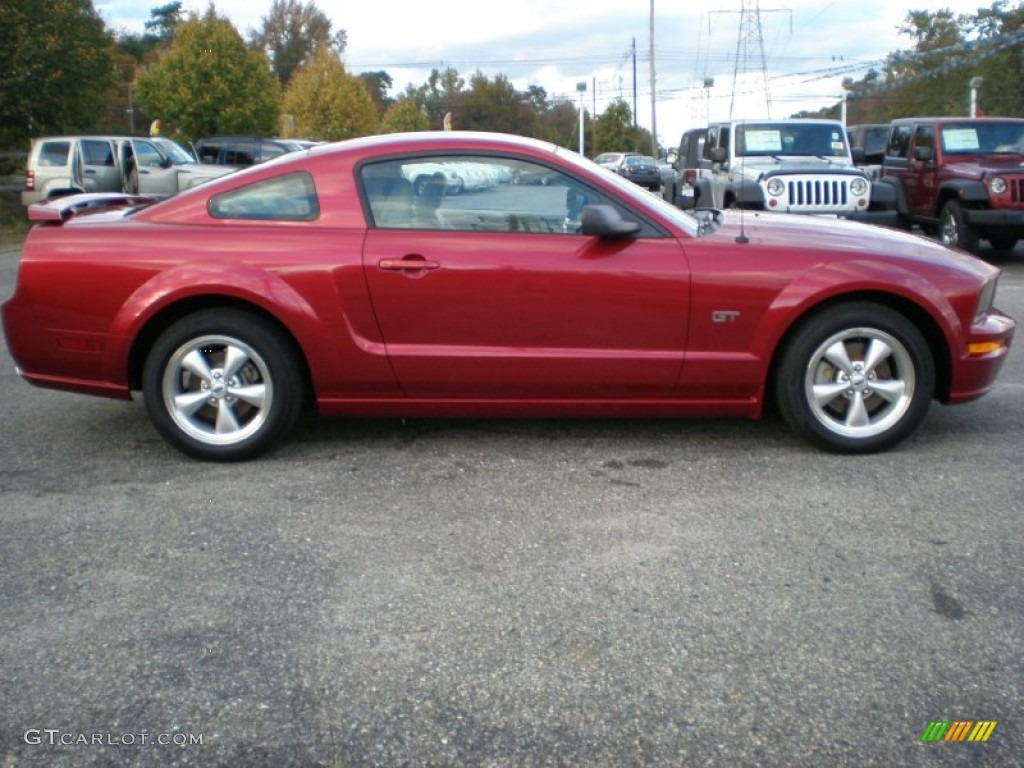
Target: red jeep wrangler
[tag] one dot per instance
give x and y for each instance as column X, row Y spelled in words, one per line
column 960, row 177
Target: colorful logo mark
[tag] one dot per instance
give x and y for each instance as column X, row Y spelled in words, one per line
column 958, row 730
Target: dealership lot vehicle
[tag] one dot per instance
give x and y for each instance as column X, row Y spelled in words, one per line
column 322, row 276
column 244, row 150
column 66, row 165
column 789, row 166
column 959, row 177
column 495, row 591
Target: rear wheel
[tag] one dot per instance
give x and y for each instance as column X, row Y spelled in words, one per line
column 954, row 229
column 856, row 378
column 222, row 385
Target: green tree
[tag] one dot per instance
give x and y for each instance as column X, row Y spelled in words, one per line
column 440, row 95
column 162, row 21
column 933, row 77
column 559, row 124
column 999, row 32
column 495, row 106
column 614, row 131
column 377, row 85
column 56, row 67
column 208, row 82
column 324, row 102
column 404, row 116
column 291, row 33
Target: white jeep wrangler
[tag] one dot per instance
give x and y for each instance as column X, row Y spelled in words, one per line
column 789, row 166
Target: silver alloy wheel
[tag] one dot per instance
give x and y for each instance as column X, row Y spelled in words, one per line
column 860, row 382
column 217, row 389
column 949, row 228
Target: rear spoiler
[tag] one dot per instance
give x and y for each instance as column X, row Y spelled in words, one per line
column 64, row 208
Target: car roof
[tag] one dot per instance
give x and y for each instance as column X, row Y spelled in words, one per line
column 964, row 119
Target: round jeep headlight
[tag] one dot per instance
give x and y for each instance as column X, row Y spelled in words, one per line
column 859, row 186
column 775, row 187
column 997, row 185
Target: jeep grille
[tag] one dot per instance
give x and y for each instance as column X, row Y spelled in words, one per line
column 1016, row 190
column 818, row 194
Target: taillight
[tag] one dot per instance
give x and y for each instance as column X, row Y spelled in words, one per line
column 30, row 181
column 690, row 176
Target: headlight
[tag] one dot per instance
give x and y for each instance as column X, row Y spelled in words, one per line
column 985, row 299
column 859, row 186
column 997, row 185
column 775, row 187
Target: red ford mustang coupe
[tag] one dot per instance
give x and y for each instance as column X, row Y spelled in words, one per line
column 450, row 274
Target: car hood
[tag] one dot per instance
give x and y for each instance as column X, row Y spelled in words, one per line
column 755, row 166
column 991, row 165
column 846, row 239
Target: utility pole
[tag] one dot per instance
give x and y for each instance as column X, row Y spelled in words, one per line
column 654, row 117
column 634, row 81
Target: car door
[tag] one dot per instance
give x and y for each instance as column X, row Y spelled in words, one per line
column 98, row 171
column 921, row 176
column 156, row 176
column 495, row 294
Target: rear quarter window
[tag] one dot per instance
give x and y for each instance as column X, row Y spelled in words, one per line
column 54, row 153
column 283, row 198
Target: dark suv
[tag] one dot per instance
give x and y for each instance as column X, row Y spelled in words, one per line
column 960, row 177
column 244, row 150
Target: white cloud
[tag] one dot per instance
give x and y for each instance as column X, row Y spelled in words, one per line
column 557, row 44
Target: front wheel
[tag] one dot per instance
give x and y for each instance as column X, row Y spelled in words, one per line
column 222, row 385
column 856, row 378
column 954, row 229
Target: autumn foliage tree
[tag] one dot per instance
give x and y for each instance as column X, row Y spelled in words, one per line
column 404, row 116
column 324, row 102
column 208, row 82
column 291, row 33
column 55, row 68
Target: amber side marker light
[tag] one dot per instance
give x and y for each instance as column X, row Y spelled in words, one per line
column 979, row 348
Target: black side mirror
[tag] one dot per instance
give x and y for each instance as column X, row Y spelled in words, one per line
column 606, row 221
column 718, row 155
column 924, row 154
column 858, row 155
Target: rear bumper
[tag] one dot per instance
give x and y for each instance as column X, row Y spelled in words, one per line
column 72, row 362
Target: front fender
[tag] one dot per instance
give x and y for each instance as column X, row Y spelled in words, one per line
column 746, row 193
column 863, row 279
column 967, row 190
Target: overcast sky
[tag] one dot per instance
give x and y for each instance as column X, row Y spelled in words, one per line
column 808, row 46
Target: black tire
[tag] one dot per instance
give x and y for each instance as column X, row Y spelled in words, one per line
column 954, row 230
column 855, row 378
column 1003, row 243
column 222, row 385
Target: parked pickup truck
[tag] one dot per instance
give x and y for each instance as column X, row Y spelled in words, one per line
column 959, row 177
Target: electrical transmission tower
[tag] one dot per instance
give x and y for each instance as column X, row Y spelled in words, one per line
column 750, row 47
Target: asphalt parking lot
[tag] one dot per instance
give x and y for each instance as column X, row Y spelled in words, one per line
column 521, row 593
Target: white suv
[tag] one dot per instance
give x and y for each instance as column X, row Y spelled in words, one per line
column 789, row 166
column 65, row 165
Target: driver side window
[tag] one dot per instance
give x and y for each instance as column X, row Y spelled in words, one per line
column 474, row 193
